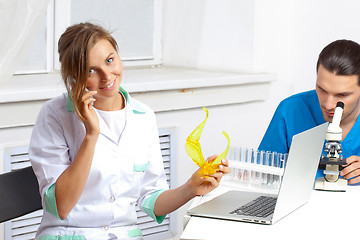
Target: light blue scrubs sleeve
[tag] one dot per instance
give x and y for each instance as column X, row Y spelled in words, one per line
column 149, row 206
column 50, row 201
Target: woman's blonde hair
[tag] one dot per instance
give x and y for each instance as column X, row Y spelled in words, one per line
column 73, row 47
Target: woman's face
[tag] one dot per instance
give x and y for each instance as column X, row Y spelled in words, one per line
column 105, row 71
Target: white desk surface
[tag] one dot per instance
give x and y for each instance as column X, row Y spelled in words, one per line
column 327, row 215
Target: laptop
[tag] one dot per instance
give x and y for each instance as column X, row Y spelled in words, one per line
column 295, row 188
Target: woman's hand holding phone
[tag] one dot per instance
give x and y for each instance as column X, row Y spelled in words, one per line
column 91, row 120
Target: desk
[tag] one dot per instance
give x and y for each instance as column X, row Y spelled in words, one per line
column 327, row 215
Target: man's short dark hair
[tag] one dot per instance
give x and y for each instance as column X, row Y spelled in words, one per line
column 341, row 57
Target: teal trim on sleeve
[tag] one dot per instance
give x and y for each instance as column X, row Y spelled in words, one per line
column 66, row 237
column 50, row 201
column 149, row 206
column 135, row 233
column 140, row 167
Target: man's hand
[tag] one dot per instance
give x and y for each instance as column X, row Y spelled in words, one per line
column 352, row 170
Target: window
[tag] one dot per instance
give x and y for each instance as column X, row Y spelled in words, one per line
column 134, row 24
column 39, row 58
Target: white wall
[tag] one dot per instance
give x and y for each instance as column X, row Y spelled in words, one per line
column 289, row 36
column 276, row 36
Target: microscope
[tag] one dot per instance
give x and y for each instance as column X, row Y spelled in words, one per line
column 333, row 161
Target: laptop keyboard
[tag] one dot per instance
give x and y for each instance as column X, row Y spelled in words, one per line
column 262, row 206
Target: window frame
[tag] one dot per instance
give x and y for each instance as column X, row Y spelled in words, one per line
column 62, row 19
column 58, row 18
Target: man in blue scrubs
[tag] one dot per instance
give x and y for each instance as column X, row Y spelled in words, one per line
column 338, row 79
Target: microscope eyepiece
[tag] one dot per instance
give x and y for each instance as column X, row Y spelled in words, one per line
column 340, row 104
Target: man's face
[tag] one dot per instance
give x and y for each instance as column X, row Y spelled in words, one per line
column 332, row 88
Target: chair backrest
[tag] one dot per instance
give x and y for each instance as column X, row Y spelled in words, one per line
column 19, row 194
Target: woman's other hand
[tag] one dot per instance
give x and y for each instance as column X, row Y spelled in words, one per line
column 202, row 184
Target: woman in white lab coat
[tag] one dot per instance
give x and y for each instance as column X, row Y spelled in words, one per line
column 95, row 150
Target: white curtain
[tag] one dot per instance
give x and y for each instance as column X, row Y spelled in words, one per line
column 20, row 21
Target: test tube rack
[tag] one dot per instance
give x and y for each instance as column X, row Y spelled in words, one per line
column 253, row 169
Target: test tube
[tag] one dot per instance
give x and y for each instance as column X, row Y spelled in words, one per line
column 273, row 164
column 264, row 163
column 283, row 160
column 237, row 173
column 232, row 157
column 276, row 182
column 247, row 160
column 252, row 173
column 240, row 173
column 258, row 160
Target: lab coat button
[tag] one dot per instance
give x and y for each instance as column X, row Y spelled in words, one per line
column 112, row 199
column 106, row 228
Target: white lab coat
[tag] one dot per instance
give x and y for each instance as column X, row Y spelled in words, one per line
column 107, row 204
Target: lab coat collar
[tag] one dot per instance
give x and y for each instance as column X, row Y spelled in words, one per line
column 106, row 131
column 136, row 107
column 130, row 124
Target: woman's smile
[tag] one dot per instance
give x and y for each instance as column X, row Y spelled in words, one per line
column 109, row 86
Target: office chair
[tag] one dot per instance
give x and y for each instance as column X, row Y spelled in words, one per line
column 19, row 194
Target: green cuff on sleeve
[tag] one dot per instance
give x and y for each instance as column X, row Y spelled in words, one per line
column 50, row 201
column 149, row 206
column 140, row 167
column 134, row 233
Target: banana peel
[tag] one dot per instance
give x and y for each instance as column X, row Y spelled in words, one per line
column 193, row 149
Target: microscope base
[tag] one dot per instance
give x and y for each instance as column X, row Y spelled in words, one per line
column 338, row 186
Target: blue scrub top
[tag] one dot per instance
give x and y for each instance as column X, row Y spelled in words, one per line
column 296, row 114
